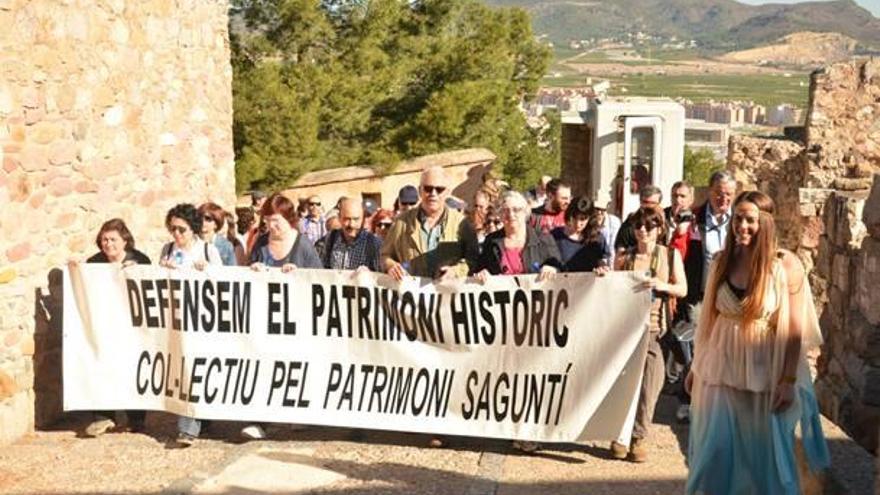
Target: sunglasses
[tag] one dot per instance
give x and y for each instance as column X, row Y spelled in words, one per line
column 178, row 229
column 384, row 225
column 516, row 210
column 208, row 219
column 407, row 204
column 433, row 189
column 647, row 226
column 496, row 222
column 314, row 204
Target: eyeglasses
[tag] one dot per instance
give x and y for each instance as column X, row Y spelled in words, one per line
column 433, row 189
column 179, row 229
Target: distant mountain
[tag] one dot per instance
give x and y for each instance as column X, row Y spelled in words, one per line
column 716, row 24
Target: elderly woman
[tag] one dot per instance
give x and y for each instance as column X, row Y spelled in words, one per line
column 517, row 249
column 186, row 250
column 285, row 248
column 580, row 241
column 213, row 224
column 665, row 278
column 116, row 245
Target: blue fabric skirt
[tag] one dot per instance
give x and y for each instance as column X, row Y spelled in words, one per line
column 738, row 447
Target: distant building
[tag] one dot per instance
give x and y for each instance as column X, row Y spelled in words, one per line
column 731, row 113
column 561, row 99
column 699, row 134
column 785, row 114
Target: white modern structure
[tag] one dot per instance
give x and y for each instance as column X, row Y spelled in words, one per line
column 620, row 144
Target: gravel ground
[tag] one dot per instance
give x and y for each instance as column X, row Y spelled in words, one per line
column 333, row 461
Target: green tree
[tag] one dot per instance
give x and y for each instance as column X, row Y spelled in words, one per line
column 699, row 165
column 370, row 82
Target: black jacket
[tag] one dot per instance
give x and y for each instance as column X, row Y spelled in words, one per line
column 694, row 264
column 130, row 255
column 539, row 250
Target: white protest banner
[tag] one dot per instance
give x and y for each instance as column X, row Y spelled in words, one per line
column 553, row 361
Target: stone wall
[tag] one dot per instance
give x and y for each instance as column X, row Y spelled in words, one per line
column 108, row 109
column 827, row 217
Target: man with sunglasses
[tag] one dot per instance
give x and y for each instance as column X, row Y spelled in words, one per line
column 430, row 240
column 313, row 224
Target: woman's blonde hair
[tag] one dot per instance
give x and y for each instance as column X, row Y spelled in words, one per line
column 761, row 269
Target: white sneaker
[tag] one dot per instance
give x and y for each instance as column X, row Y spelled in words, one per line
column 683, row 414
column 99, row 427
column 253, row 432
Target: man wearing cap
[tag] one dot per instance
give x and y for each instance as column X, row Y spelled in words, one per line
column 610, row 222
column 431, row 240
column 407, row 198
column 370, row 207
column 312, row 224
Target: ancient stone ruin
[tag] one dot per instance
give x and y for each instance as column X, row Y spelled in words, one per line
column 828, row 203
column 108, row 108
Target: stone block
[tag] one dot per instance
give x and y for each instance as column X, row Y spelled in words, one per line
column 811, row 231
column 840, row 271
column 868, row 281
column 62, row 152
column 16, row 416
column 34, row 158
column 18, row 252
column 7, row 385
column 871, row 211
column 846, row 211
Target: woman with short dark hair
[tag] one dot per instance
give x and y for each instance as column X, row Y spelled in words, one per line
column 580, row 241
column 187, row 249
column 664, row 276
column 116, row 245
column 213, row 222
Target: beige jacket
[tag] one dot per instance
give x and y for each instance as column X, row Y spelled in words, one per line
column 458, row 244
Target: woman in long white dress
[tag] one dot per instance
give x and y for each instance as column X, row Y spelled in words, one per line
column 749, row 381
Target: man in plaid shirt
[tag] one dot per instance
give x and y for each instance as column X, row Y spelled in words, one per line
column 352, row 246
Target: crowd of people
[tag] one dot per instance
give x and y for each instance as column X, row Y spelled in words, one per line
column 743, row 390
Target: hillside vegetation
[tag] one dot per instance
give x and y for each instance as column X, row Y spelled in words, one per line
column 723, row 25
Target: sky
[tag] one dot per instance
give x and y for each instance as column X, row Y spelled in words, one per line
column 871, row 5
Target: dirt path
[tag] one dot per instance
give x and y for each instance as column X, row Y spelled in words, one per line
column 329, row 461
